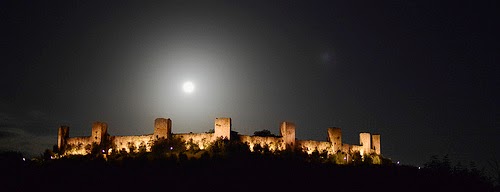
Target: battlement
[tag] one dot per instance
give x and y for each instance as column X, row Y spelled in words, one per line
column 222, row 130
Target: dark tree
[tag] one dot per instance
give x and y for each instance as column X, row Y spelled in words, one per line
column 356, row 159
column 162, row 147
column 264, row 133
column 48, row 154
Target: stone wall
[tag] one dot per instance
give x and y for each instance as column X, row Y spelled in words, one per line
column 62, row 136
column 99, row 131
column 77, row 145
column 127, row 143
column 163, row 128
column 222, row 129
column 376, row 143
column 356, row 148
column 202, row 140
column 365, row 142
column 287, row 131
column 335, row 137
column 310, row 146
column 274, row 143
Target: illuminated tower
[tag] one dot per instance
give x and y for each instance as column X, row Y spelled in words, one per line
column 99, row 130
column 222, row 128
column 62, row 136
column 335, row 137
column 365, row 142
column 287, row 131
column 376, row 143
column 163, row 128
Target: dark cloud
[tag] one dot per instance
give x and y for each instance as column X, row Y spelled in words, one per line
column 5, row 134
column 16, row 139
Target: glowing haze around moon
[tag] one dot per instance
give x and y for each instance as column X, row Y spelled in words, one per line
column 188, row 87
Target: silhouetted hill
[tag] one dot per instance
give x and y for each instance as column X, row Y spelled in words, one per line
column 247, row 172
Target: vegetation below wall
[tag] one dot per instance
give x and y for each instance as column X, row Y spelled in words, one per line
column 230, row 166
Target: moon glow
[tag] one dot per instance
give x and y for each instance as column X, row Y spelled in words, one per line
column 188, row 87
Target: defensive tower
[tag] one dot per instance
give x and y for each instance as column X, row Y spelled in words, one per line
column 335, row 137
column 163, row 128
column 222, row 128
column 287, row 131
column 62, row 136
column 376, row 143
column 99, row 131
column 365, row 142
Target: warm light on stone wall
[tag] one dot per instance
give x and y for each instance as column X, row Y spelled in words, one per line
column 77, row 145
column 127, row 142
column 365, row 142
column 202, row 140
column 274, row 143
column 287, row 131
column 222, row 128
column 81, row 145
column 310, row 146
column 376, row 143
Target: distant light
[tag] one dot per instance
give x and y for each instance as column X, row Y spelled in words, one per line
column 345, row 158
column 398, row 162
column 24, row 159
column 171, row 148
column 418, row 167
column 188, row 87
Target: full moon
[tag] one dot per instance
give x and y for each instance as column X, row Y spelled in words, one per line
column 188, row 87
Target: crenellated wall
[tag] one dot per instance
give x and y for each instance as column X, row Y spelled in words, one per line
column 222, row 129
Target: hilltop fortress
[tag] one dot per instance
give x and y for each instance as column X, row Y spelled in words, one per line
column 368, row 143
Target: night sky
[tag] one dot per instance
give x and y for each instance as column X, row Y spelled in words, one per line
column 422, row 74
